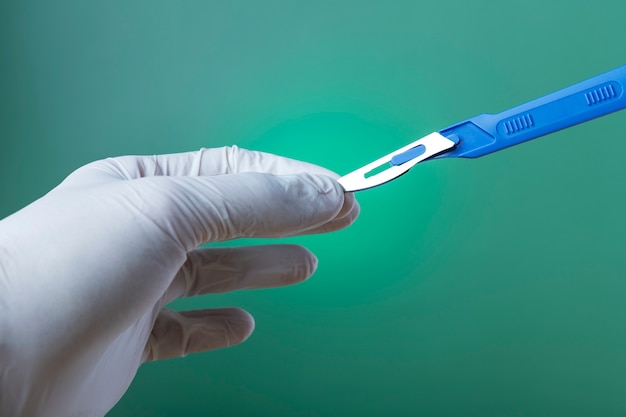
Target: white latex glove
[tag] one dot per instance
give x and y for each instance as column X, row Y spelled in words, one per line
column 86, row 270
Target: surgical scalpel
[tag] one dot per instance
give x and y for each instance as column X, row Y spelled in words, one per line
column 487, row 133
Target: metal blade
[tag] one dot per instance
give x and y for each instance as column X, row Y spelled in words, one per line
column 358, row 180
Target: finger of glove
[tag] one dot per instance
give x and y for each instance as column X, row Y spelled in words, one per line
column 176, row 334
column 216, row 270
column 195, row 210
column 348, row 215
column 205, row 162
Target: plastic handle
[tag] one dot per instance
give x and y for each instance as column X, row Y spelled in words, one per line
column 579, row 103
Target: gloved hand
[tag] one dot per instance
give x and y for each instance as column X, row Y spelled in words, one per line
column 85, row 271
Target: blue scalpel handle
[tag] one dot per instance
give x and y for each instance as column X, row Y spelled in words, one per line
column 595, row 97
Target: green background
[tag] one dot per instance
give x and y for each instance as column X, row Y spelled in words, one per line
column 487, row 287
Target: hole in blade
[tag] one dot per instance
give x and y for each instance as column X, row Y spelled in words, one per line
column 377, row 170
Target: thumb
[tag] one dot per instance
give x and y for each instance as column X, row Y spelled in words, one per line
column 195, row 210
column 176, row 334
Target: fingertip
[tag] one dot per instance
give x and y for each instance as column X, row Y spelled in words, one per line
column 339, row 222
column 328, row 198
column 349, row 204
column 355, row 210
column 312, row 265
column 348, row 214
column 241, row 324
column 345, row 201
column 326, row 185
column 306, row 264
column 292, row 265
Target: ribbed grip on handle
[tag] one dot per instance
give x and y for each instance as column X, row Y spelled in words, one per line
column 579, row 103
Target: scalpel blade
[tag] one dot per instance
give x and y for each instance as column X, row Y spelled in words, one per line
column 421, row 149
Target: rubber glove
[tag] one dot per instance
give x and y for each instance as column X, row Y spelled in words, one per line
column 85, row 271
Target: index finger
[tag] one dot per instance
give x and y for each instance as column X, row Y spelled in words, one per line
column 205, row 162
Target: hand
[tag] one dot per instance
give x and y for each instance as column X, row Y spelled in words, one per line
column 85, row 271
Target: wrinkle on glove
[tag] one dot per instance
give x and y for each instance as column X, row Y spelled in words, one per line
column 86, row 271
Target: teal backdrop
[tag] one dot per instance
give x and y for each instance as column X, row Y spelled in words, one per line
column 487, row 287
